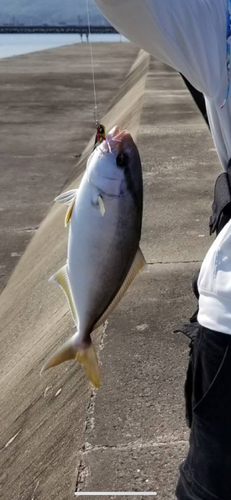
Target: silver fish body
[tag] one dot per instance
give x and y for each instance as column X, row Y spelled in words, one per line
column 103, row 245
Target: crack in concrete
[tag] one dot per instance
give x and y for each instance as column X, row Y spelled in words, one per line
column 83, row 470
column 90, row 421
column 83, row 473
column 133, row 446
column 140, row 74
column 174, row 262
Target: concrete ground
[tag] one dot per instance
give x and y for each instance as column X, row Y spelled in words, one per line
column 58, row 435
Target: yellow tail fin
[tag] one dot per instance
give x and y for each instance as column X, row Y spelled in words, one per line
column 86, row 356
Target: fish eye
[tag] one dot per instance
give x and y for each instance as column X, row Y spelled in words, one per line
column 122, row 160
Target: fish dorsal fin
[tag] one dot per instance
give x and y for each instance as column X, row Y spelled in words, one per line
column 138, row 264
column 61, row 277
column 67, row 198
column 69, row 212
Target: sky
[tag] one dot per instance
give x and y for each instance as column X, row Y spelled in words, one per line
column 48, row 12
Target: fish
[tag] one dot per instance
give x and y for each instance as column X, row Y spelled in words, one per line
column 105, row 220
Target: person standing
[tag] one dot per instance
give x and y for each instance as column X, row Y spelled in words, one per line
column 193, row 37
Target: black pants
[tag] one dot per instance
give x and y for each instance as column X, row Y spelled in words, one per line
column 206, row 472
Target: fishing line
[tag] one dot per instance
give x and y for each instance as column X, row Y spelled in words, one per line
column 96, row 112
column 100, row 129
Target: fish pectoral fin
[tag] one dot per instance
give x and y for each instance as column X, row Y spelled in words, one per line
column 69, row 213
column 98, row 200
column 101, row 205
column 61, row 278
column 67, row 197
column 86, row 356
column 139, row 264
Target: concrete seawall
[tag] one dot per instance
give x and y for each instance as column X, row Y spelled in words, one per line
column 46, row 109
column 57, row 435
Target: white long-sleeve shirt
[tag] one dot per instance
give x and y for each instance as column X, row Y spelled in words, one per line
column 190, row 36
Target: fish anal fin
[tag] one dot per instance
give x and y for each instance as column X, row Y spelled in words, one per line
column 69, row 213
column 138, row 265
column 61, row 278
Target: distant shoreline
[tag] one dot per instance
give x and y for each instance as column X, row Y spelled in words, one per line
column 56, row 29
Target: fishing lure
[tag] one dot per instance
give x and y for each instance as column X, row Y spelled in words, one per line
column 100, row 134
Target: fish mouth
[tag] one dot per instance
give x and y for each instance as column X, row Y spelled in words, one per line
column 114, row 141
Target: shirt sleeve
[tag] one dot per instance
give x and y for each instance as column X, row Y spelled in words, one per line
column 189, row 35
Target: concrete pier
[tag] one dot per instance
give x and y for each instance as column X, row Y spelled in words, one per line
column 58, row 436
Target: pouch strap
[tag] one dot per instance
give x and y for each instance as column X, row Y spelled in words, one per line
column 221, row 207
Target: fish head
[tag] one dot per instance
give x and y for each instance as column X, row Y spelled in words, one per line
column 115, row 167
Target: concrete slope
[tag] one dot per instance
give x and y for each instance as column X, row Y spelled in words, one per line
column 43, row 419
column 136, row 435
column 46, row 119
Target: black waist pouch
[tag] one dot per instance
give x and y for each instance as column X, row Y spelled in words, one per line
column 221, row 208
column 191, row 330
